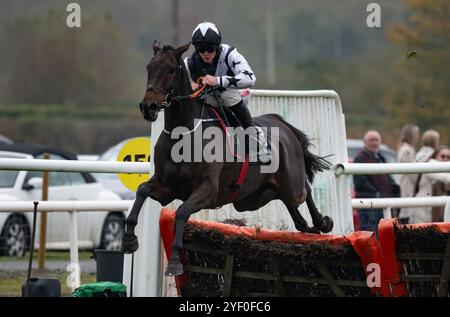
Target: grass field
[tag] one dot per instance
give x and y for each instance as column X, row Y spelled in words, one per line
column 49, row 255
column 11, row 280
column 12, row 285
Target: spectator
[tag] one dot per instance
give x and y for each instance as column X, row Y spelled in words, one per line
column 409, row 137
column 371, row 186
column 430, row 140
column 424, row 187
column 443, row 155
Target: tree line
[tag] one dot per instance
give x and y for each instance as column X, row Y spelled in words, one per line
column 388, row 76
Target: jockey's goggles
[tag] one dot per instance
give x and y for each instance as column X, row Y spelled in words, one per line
column 202, row 48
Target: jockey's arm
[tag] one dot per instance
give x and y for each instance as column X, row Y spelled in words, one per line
column 194, row 85
column 243, row 74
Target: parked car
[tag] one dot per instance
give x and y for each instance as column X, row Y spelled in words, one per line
column 95, row 229
column 5, row 140
column 353, row 147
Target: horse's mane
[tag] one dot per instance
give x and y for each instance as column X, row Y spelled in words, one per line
column 168, row 48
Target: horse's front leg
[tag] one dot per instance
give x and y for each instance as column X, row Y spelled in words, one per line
column 152, row 188
column 203, row 196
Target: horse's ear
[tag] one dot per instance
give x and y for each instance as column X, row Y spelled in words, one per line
column 183, row 48
column 156, row 47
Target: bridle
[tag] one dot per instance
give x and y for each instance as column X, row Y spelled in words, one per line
column 168, row 95
column 169, row 98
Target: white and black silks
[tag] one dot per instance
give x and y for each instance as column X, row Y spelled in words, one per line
column 230, row 67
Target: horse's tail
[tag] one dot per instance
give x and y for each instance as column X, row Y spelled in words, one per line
column 313, row 163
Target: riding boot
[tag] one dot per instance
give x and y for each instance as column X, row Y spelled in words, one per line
column 243, row 114
column 262, row 155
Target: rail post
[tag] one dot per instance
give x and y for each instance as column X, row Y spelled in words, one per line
column 73, row 236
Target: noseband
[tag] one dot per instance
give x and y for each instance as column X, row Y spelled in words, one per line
column 167, row 99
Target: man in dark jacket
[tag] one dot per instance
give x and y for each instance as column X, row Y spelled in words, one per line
column 372, row 186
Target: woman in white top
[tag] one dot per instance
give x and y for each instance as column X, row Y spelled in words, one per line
column 425, row 187
column 430, row 141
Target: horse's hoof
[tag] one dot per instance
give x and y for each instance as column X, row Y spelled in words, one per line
column 307, row 229
column 313, row 230
column 129, row 243
column 174, row 269
column 327, row 224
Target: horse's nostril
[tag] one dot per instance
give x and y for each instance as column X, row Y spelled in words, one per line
column 141, row 106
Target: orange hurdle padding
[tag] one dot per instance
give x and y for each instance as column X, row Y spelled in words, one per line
column 391, row 268
column 363, row 242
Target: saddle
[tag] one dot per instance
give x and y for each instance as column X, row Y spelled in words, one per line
column 217, row 112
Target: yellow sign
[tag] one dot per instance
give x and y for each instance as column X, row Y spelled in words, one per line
column 135, row 150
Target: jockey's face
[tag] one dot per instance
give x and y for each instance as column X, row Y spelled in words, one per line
column 207, row 52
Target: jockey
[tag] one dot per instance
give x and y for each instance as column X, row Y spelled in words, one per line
column 224, row 67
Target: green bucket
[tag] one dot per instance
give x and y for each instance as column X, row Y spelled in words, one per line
column 101, row 289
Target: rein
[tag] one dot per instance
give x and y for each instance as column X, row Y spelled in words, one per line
column 194, row 94
column 168, row 99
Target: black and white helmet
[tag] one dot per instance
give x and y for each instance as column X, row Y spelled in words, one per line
column 206, row 32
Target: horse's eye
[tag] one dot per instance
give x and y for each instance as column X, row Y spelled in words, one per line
column 171, row 71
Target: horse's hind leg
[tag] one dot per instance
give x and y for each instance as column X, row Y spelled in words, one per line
column 300, row 222
column 324, row 224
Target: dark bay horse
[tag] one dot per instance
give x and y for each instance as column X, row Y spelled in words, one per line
column 206, row 185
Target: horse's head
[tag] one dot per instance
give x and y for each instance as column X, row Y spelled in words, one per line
column 163, row 72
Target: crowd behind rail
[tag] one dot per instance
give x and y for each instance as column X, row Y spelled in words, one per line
column 406, row 185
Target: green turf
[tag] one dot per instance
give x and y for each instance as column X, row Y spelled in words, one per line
column 12, row 285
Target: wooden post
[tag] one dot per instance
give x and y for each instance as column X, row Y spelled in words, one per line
column 228, row 275
column 43, row 223
column 445, row 274
column 277, row 277
column 330, row 280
